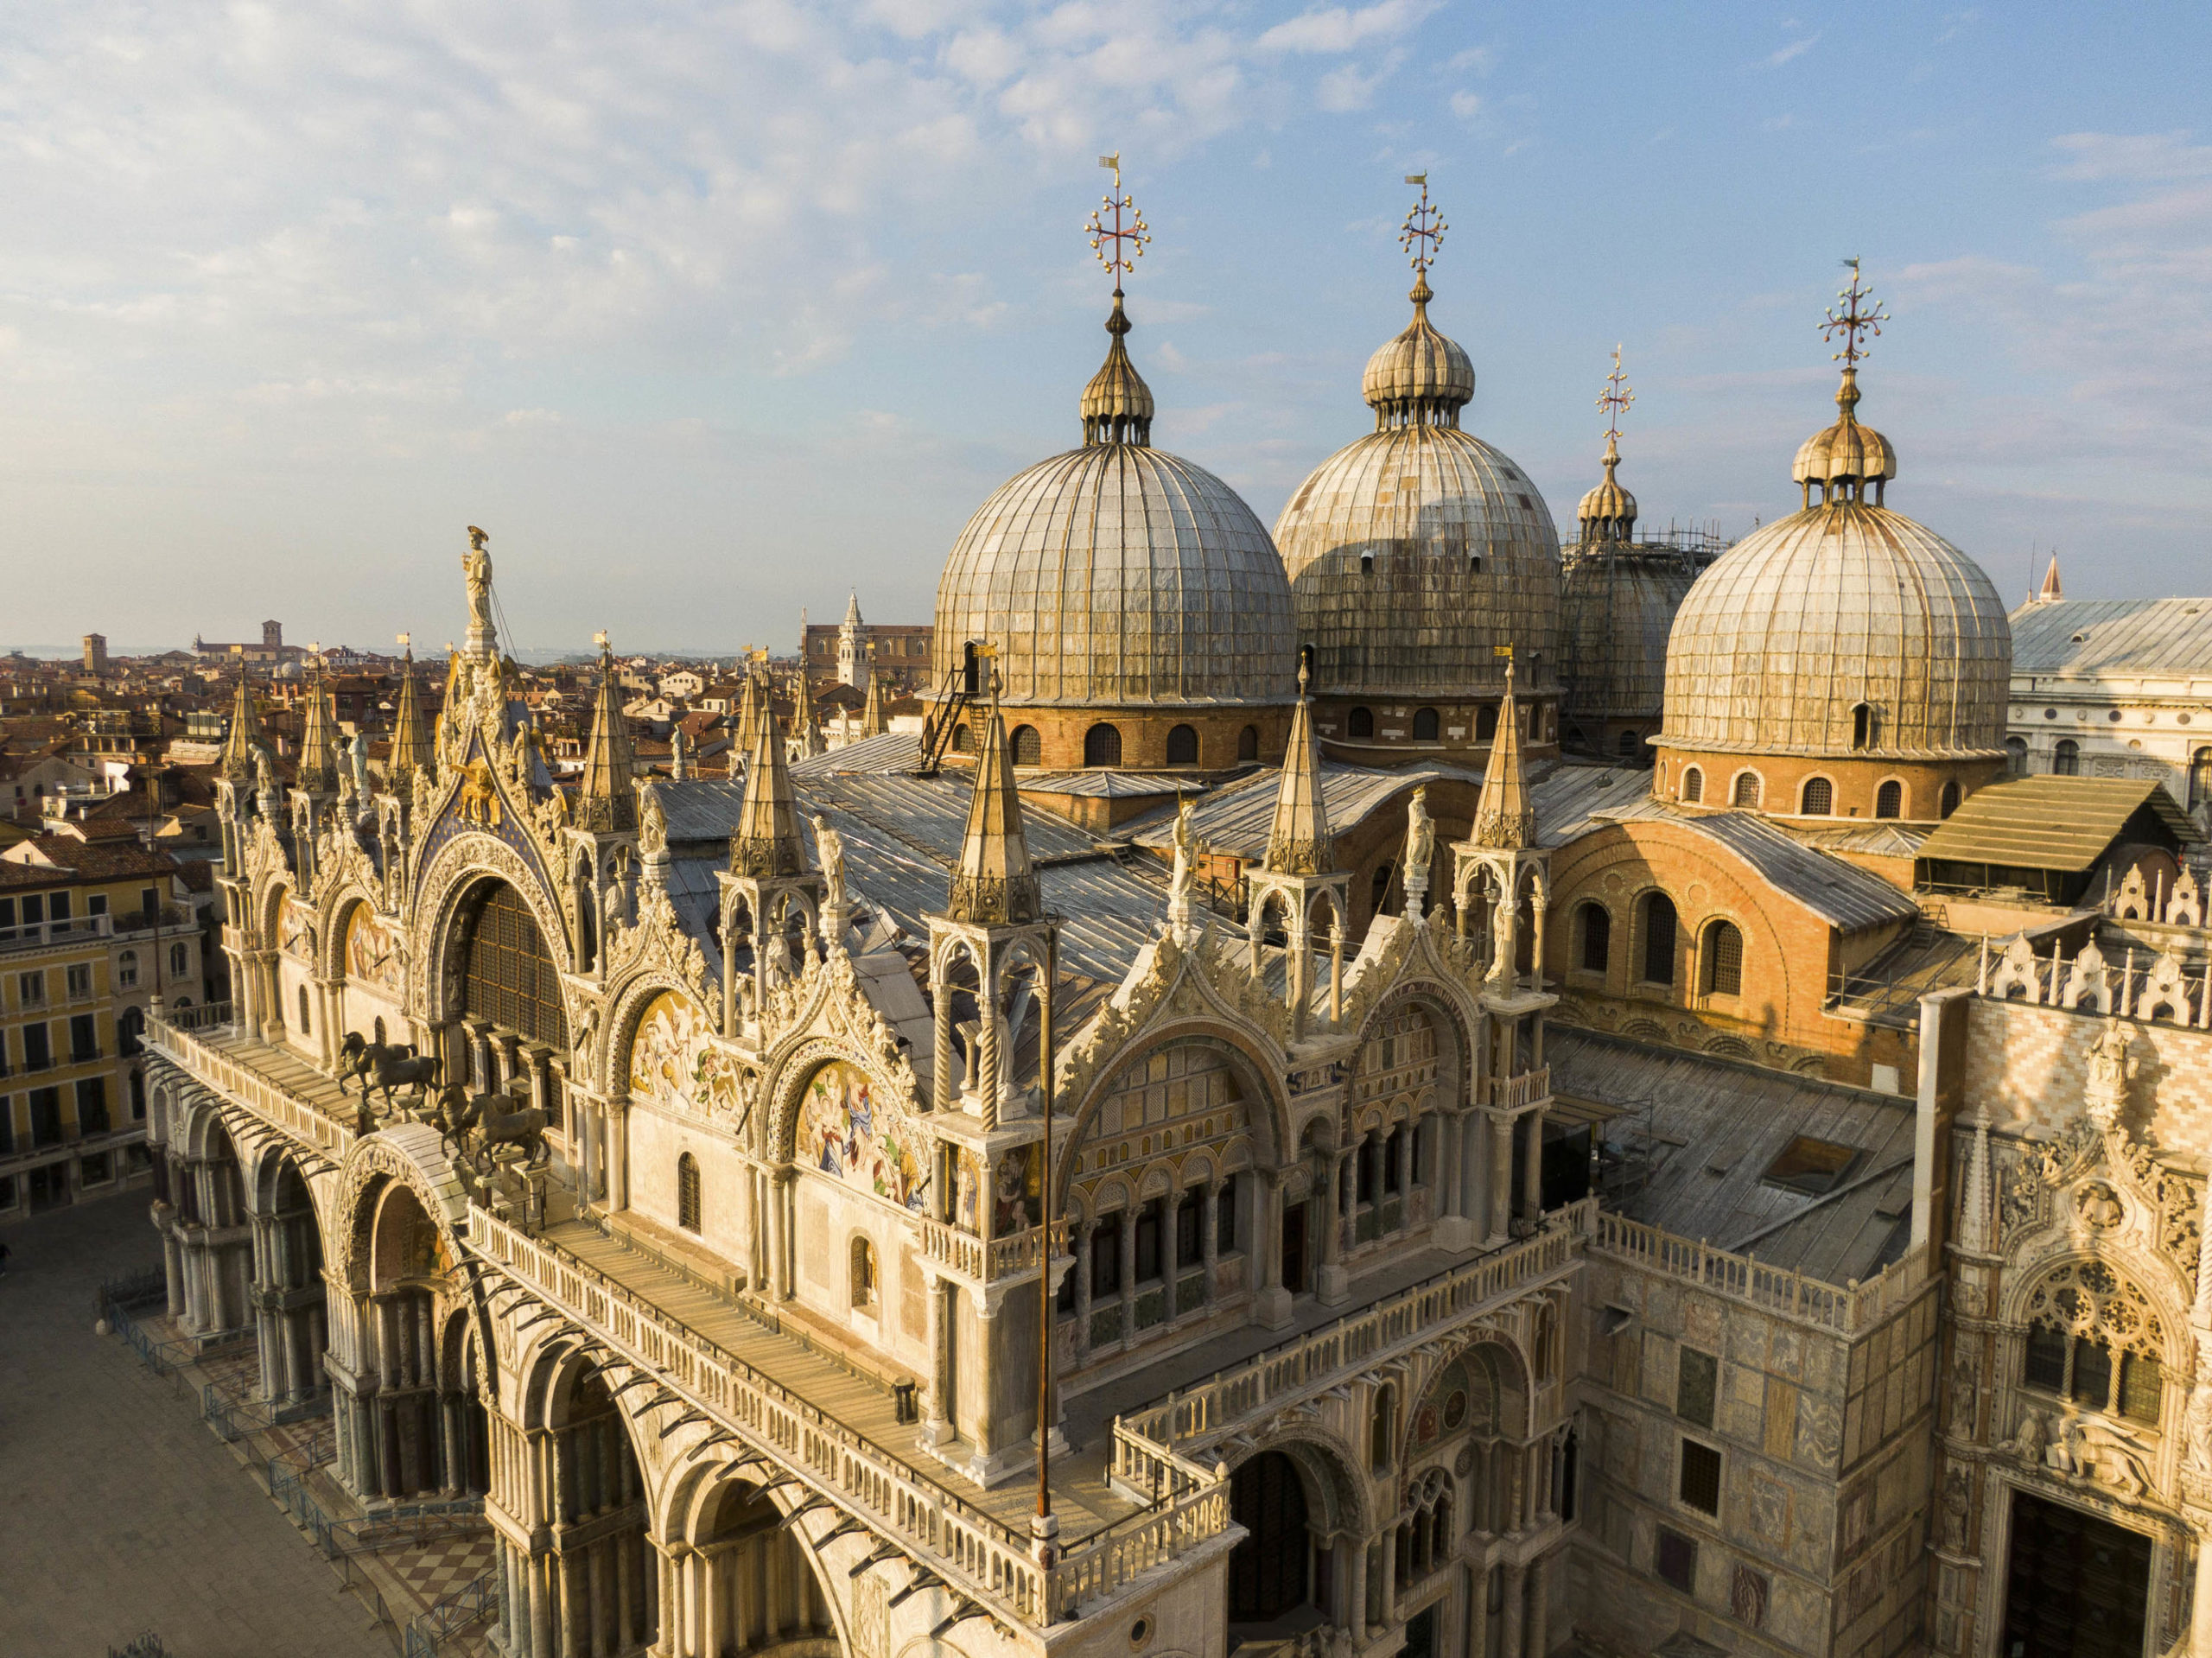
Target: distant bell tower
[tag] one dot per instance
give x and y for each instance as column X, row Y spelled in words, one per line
column 851, row 647
column 272, row 636
column 96, row 653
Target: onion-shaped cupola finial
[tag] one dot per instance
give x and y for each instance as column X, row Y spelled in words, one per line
column 1117, row 404
column 1608, row 512
column 1422, row 377
column 1846, row 460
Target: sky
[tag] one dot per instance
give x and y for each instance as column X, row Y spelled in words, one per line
column 709, row 312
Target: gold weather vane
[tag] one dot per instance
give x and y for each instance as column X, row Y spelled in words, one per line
column 1119, row 245
column 1615, row 398
column 1853, row 321
column 1423, row 236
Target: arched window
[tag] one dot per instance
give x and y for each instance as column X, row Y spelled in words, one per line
column 1248, row 743
column 2200, row 779
column 1819, row 799
column 378, row 1029
column 178, row 960
column 2016, row 756
column 1627, row 745
column 1658, row 939
column 1485, row 724
column 963, row 740
column 1747, row 791
column 1378, row 890
column 508, row 978
column 1360, row 722
column 1383, row 1429
column 1693, row 786
column 129, row 1030
column 1183, row 745
column 138, row 1096
column 1889, row 799
column 1947, row 801
column 126, row 970
column 2066, row 762
column 1862, row 725
column 1596, row 936
column 304, row 1029
column 1427, row 725
column 2094, row 1337
column 863, row 1273
column 1101, row 746
column 1723, row 960
column 1028, row 748
column 687, row 1193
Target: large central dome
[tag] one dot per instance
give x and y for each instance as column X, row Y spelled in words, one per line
column 1134, row 601
column 1418, row 557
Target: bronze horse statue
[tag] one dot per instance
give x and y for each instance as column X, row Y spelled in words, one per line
column 385, row 1065
column 458, row 1116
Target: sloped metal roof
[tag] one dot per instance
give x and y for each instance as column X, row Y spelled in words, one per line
column 2152, row 638
column 2049, row 821
column 1236, row 818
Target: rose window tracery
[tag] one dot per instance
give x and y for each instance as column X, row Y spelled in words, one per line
column 2095, row 1338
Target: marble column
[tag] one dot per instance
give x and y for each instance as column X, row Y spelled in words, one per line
column 1540, row 1575
column 1532, row 1171
column 1501, row 1178
column 1517, row 1576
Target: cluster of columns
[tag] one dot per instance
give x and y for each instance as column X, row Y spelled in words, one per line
column 497, row 1058
column 740, row 1592
column 208, row 1244
column 400, row 1432
column 1390, row 1154
column 578, row 1578
column 290, row 1318
column 1207, row 1196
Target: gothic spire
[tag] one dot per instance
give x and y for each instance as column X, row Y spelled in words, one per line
column 411, row 738
column 875, row 719
column 238, row 741
column 318, row 771
column 1505, row 817
column 609, row 800
column 765, row 841
column 1299, row 843
column 995, row 883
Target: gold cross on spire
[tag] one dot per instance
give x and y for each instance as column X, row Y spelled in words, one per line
column 1862, row 314
column 1615, row 398
column 1121, row 242
column 1423, row 236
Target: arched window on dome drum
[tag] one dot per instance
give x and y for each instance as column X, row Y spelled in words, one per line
column 1486, row 725
column 1248, row 743
column 1862, row 725
column 2200, row 779
column 1723, row 960
column 1360, row 722
column 687, row 1193
column 1101, row 746
column 1693, row 786
column 1947, row 801
column 1627, row 745
column 1889, row 799
column 1658, row 939
column 2067, row 761
column 2016, row 756
column 1028, row 748
column 1427, row 725
column 1747, row 790
column 962, row 738
column 1183, row 745
column 1819, row 800
column 1595, row 928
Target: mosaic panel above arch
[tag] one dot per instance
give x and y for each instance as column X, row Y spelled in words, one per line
column 1184, row 1096
column 849, row 1130
column 1475, row 1392
column 372, row 955
column 295, row 927
column 674, row 1064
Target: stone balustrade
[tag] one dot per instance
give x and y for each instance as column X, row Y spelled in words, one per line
column 1778, row 1289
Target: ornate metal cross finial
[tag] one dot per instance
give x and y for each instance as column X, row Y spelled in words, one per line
column 1862, row 314
column 1423, row 236
column 600, row 638
column 1616, row 396
column 1120, row 243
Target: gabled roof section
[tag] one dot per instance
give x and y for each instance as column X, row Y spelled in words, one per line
column 2089, row 637
column 2049, row 821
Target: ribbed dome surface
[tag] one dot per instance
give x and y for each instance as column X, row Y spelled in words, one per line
column 1616, row 610
column 1420, row 366
column 1425, row 501
column 1117, row 574
column 1832, row 607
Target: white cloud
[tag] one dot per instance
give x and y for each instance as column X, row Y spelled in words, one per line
column 1345, row 88
column 1466, row 106
column 1339, row 29
column 1795, row 49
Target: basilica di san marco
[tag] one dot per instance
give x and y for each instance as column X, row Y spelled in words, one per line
column 1391, row 1086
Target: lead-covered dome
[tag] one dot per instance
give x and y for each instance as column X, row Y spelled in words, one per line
column 1415, row 552
column 1114, row 574
column 1843, row 631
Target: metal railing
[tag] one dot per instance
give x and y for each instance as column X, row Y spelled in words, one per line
column 49, row 935
column 467, row 1604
